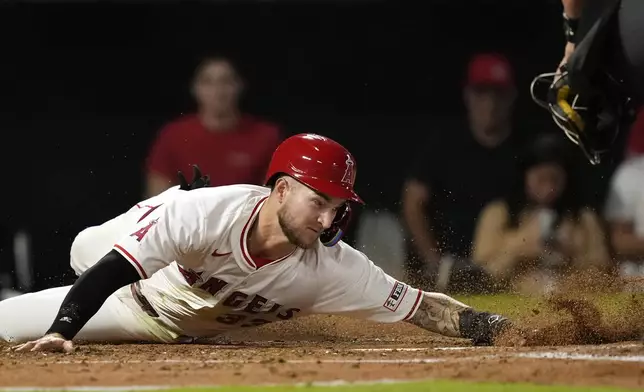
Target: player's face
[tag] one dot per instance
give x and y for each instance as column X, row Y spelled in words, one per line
column 304, row 214
column 545, row 183
column 217, row 87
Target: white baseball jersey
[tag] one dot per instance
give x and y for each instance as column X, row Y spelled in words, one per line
column 190, row 249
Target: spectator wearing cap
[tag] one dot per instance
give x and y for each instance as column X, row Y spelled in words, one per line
column 458, row 170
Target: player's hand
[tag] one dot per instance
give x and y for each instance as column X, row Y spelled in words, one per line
column 52, row 342
column 198, row 180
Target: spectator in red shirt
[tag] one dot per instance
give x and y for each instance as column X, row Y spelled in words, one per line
column 230, row 146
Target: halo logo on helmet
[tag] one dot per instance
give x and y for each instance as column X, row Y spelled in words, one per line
column 321, row 164
column 349, row 172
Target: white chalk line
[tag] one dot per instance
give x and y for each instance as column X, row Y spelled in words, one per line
column 528, row 355
column 532, row 355
column 331, row 383
column 247, row 361
column 587, row 357
column 414, row 349
column 465, row 348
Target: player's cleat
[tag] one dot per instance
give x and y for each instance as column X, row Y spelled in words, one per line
column 198, row 180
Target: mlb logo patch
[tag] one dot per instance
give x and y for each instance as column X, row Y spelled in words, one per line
column 396, row 296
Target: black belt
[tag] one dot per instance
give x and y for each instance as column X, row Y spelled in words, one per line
column 142, row 301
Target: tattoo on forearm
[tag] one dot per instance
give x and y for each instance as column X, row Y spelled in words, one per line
column 439, row 313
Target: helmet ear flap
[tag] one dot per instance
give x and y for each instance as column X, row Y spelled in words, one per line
column 334, row 234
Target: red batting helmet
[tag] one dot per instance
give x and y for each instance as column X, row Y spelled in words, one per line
column 318, row 162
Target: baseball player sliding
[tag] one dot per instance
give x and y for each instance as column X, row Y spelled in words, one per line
column 198, row 261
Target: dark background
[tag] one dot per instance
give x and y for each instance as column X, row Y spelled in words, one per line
column 85, row 87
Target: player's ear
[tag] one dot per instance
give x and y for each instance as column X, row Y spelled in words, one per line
column 281, row 187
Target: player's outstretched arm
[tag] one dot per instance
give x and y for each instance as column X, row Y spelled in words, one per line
column 84, row 299
column 358, row 288
column 444, row 315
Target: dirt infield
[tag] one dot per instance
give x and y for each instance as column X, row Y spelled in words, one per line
column 325, row 348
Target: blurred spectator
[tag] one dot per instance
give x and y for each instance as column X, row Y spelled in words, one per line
column 6, row 265
column 380, row 234
column 15, row 270
column 540, row 231
column 624, row 212
column 227, row 144
column 457, row 172
column 635, row 143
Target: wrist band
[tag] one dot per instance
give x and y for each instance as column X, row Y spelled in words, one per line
column 570, row 27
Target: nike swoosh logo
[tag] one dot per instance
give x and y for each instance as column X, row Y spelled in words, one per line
column 215, row 254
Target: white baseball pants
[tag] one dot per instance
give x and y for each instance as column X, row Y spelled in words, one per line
column 120, row 319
